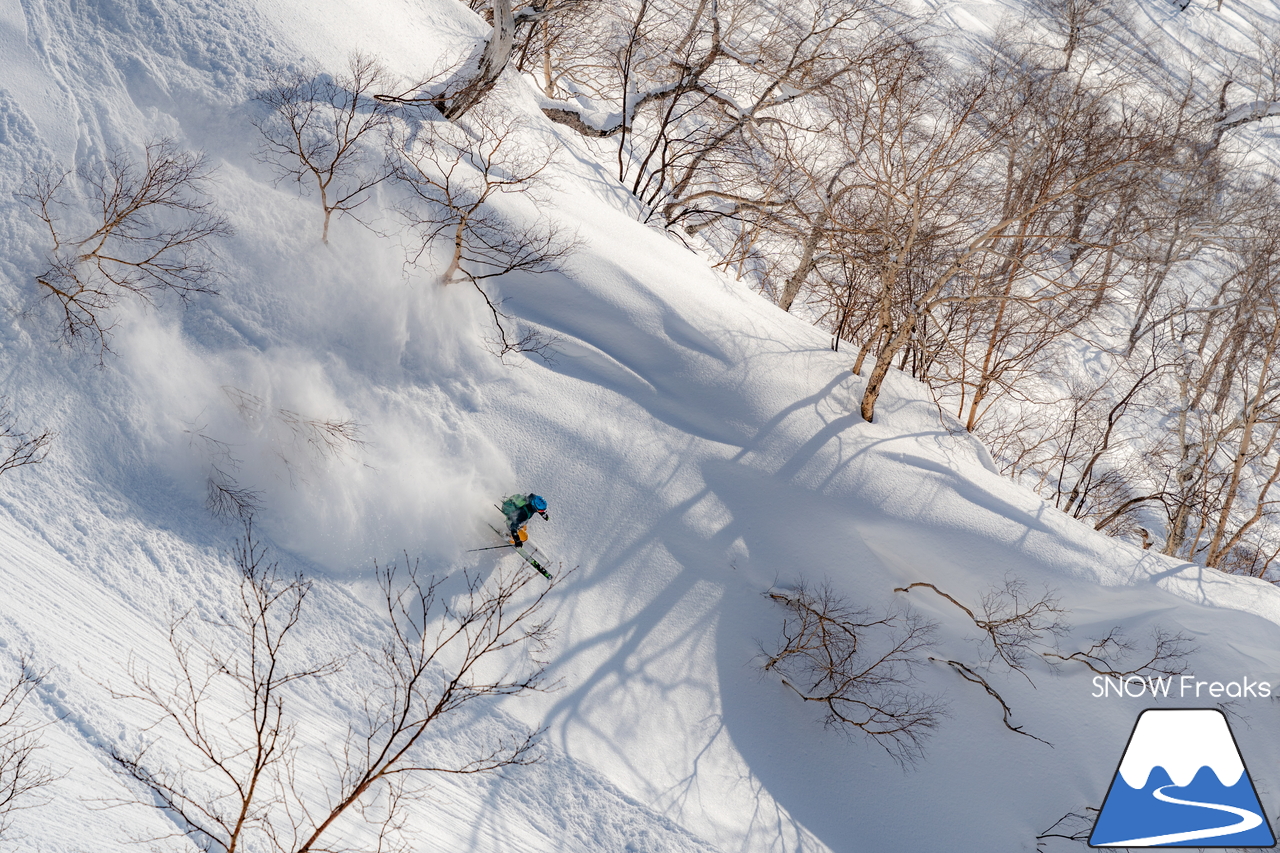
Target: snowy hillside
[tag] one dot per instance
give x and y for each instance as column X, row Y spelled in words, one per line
column 698, row 447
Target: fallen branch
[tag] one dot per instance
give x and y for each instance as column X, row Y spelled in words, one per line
column 969, row 675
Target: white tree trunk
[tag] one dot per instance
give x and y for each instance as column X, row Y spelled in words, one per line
column 493, row 61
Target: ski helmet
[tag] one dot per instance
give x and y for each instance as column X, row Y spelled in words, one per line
column 539, row 503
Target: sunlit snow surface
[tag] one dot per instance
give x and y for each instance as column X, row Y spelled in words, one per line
column 697, row 446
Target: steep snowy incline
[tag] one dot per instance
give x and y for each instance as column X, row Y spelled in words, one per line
column 680, row 529
column 698, row 448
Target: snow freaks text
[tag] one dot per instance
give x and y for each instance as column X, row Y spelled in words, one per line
column 1178, row 687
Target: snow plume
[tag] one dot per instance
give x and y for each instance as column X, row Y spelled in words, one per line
column 337, row 468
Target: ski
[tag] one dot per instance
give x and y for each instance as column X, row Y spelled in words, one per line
column 531, row 559
column 533, row 562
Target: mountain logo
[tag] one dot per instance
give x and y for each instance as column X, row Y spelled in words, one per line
column 1182, row 783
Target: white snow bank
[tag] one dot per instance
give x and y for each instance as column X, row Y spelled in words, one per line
column 697, row 447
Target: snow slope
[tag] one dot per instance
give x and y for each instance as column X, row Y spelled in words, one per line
column 697, row 446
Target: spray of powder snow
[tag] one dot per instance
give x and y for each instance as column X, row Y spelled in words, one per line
column 348, row 439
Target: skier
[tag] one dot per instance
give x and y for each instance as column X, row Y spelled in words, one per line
column 519, row 510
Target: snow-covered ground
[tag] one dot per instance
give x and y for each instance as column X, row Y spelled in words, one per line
column 697, row 446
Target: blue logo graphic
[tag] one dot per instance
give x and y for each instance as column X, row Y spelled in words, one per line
column 1182, row 783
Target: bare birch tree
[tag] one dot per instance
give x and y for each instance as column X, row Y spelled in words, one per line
column 1226, row 460
column 478, row 75
column 1020, row 228
column 466, row 86
column 859, row 665
column 18, row 448
column 1256, row 75
column 223, row 754
column 328, row 134
column 442, row 654
column 235, row 763
column 119, row 229
column 21, row 773
column 457, row 177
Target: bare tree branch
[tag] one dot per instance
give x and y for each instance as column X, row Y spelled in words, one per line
column 861, row 667
column 221, row 754
column 455, row 177
column 18, row 448
column 1167, row 654
column 21, row 774
column 326, row 133
column 968, row 674
column 121, row 229
column 236, row 762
